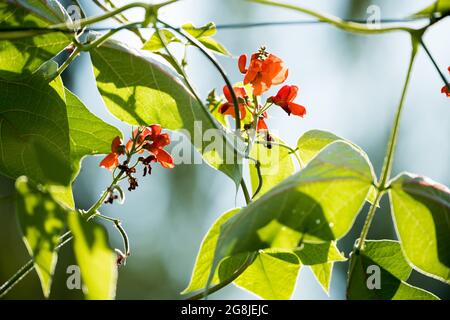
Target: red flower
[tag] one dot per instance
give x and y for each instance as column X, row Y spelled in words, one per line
column 265, row 70
column 149, row 138
column 445, row 89
column 111, row 161
column 228, row 107
column 141, row 139
column 284, row 99
column 159, row 141
column 261, row 124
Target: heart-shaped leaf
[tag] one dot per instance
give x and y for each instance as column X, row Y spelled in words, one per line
column 421, row 211
column 379, row 272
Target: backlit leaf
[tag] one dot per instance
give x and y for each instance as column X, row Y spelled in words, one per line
column 24, row 51
column 97, row 261
column 34, row 132
column 379, row 272
column 42, row 221
column 421, row 211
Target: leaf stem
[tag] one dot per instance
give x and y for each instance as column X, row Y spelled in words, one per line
column 119, row 18
column 388, row 160
column 66, row 63
column 245, row 192
column 111, row 14
column 383, row 184
column 336, row 21
column 446, row 83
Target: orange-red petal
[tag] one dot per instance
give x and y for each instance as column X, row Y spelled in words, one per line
column 110, row 162
column 242, row 62
column 116, row 144
column 261, row 125
column 165, row 159
column 297, row 109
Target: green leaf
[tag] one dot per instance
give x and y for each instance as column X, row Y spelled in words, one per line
column 154, row 43
column 272, row 275
column 276, row 165
column 205, row 256
column 89, row 135
column 382, row 260
column 24, row 51
column 421, row 211
column 34, row 132
column 320, row 257
column 42, row 221
column 311, row 142
column 203, row 35
column 97, row 261
column 318, row 204
column 207, row 30
column 140, row 91
column 438, row 6
column 214, row 45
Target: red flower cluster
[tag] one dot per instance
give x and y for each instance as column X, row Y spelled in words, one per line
column 149, row 138
column 264, row 70
column 445, row 89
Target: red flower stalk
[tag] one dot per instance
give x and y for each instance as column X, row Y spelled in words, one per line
column 228, row 107
column 111, row 161
column 265, row 69
column 445, row 90
column 284, row 99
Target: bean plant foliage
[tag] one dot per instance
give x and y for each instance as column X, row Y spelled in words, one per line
column 300, row 200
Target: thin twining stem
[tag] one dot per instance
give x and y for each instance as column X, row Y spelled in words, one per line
column 338, row 22
column 110, row 14
column 26, row 268
column 216, row 64
column 446, row 83
column 119, row 18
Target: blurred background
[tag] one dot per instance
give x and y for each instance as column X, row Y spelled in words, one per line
column 350, row 84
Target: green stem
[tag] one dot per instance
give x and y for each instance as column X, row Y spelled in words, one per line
column 336, row 21
column 66, row 63
column 118, row 225
column 388, row 160
column 217, row 65
column 119, row 18
column 110, row 14
column 191, row 88
column 99, row 41
column 26, row 268
column 245, row 192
